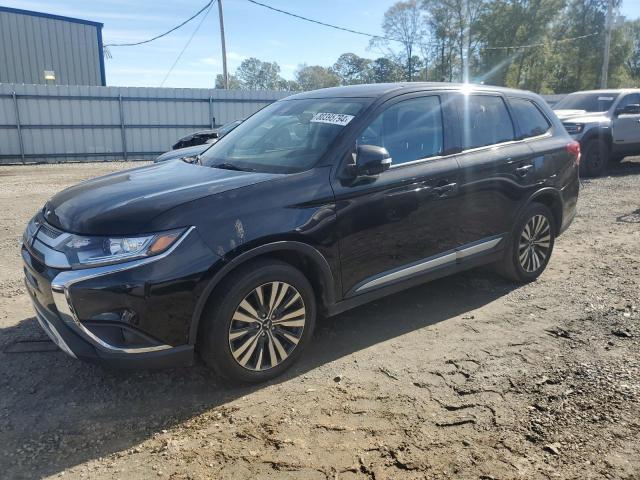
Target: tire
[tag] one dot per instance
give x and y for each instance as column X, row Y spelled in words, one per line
column 239, row 339
column 595, row 157
column 524, row 259
column 616, row 158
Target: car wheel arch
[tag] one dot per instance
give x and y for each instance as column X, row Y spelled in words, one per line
column 600, row 135
column 551, row 198
column 298, row 254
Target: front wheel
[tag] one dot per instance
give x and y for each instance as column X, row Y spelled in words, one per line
column 258, row 321
column 531, row 244
column 595, row 157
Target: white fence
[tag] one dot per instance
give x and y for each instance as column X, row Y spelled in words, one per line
column 41, row 123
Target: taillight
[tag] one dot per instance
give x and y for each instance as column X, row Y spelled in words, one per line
column 573, row 148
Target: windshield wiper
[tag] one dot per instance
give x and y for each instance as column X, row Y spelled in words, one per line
column 231, row 166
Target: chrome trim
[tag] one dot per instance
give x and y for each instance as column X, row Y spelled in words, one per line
column 420, row 267
column 51, row 257
column 471, row 150
column 453, row 256
column 51, row 332
column 63, row 281
column 480, row 247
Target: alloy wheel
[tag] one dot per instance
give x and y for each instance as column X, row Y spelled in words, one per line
column 267, row 326
column 535, row 242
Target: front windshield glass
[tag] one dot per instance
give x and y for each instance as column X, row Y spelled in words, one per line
column 286, row 137
column 589, row 102
column 227, row 127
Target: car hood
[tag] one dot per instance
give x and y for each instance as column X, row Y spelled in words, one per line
column 581, row 116
column 183, row 152
column 127, row 202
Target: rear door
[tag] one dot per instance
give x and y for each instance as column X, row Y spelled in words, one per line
column 497, row 169
column 551, row 165
column 407, row 213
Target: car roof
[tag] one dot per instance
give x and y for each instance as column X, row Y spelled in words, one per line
column 610, row 91
column 379, row 89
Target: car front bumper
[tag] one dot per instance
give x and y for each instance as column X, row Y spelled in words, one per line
column 134, row 314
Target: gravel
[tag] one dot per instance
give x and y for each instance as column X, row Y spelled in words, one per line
column 467, row 377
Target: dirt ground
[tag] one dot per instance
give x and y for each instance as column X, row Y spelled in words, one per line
column 467, row 377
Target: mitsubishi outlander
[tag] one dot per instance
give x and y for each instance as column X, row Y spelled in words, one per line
column 316, row 204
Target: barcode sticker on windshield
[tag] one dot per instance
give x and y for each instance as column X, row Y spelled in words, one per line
column 605, row 98
column 332, row 118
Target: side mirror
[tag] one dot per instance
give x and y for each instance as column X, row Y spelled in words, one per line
column 631, row 109
column 372, row 160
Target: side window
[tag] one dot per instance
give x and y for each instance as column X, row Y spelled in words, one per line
column 531, row 120
column 485, row 121
column 631, row 99
column 409, row 130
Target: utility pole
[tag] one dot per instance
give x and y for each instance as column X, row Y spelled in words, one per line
column 604, row 76
column 225, row 73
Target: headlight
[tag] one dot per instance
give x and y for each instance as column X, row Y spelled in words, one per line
column 92, row 251
column 574, row 128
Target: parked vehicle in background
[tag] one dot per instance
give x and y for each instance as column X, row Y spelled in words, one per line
column 605, row 122
column 196, row 143
column 188, row 153
column 316, row 204
column 205, row 136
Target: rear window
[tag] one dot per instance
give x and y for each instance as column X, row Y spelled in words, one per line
column 486, row 121
column 589, row 102
column 530, row 119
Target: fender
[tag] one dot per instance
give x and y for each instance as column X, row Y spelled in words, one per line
column 599, row 132
column 305, row 249
column 546, row 191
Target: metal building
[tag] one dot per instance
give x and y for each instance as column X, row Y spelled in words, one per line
column 39, row 48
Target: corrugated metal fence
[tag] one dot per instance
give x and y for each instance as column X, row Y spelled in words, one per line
column 40, row 123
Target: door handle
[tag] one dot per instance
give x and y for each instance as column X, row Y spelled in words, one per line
column 523, row 171
column 445, row 188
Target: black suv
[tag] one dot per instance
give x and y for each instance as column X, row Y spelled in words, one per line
column 316, row 204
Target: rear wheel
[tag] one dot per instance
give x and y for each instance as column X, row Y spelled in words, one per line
column 531, row 245
column 595, row 157
column 258, row 322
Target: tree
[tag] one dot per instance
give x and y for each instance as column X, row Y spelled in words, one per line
column 403, row 26
column 441, row 40
column 385, row 70
column 576, row 64
column 234, row 83
column 632, row 62
column 454, row 26
column 515, row 23
column 352, row 69
column 255, row 74
column 314, row 77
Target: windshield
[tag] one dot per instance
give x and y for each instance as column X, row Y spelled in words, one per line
column 589, row 102
column 286, row 137
column 227, row 127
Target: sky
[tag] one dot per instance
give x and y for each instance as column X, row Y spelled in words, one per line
column 251, row 31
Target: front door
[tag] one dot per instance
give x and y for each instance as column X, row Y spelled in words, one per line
column 406, row 214
column 626, row 127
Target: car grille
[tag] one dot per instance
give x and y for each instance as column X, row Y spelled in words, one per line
column 50, row 231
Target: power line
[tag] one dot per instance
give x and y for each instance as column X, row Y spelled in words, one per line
column 306, row 19
column 344, row 29
column 188, row 42
column 533, row 45
column 165, row 33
